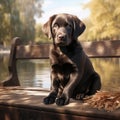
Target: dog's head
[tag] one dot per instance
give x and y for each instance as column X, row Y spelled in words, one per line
column 63, row 28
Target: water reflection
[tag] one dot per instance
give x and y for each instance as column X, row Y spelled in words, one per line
column 109, row 70
column 36, row 73
column 4, row 66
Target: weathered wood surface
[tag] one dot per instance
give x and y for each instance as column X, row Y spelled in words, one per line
column 17, row 103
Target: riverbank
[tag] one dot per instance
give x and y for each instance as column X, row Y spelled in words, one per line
column 4, row 50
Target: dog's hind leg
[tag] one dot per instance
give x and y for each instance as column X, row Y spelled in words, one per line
column 95, row 84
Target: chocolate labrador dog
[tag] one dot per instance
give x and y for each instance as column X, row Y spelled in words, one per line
column 72, row 74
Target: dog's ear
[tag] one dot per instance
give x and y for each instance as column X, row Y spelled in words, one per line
column 47, row 27
column 79, row 27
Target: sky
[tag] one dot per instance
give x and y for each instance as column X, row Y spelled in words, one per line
column 75, row 7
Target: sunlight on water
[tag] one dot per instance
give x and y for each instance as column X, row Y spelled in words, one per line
column 42, row 78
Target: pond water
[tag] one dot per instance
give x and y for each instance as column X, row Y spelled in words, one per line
column 36, row 73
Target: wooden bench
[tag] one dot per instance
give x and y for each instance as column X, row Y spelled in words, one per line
column 18, row 103
column 18, row 51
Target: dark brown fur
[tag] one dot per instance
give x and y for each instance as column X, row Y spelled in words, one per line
column 72, row 74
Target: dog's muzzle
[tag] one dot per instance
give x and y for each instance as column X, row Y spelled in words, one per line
column 61, row 40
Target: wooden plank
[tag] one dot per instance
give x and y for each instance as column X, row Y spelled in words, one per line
column 102, row 48
column 33, row 51
column 59, row 116
column 15, row 113
column 92, row 49
column 17, row 98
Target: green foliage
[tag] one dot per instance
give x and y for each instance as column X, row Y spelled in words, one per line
column 40, row 36
column 104, row 20
column 17, row 18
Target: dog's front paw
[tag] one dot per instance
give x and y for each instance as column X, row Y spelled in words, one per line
column 62, row 101
column 49, row 100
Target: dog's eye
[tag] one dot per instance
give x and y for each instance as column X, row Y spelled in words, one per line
column 68, row 25
column 55, row 25
column 54, row 28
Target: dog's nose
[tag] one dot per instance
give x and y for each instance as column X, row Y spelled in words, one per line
column 61, row 37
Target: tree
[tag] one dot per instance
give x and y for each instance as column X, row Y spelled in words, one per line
column 4, row 22
column 28, row 9
column 17, row 18
column 105, row 19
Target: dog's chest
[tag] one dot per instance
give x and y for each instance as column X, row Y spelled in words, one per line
column 62, row 64
column 62, row 59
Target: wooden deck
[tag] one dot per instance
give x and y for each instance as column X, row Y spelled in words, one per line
column 18, row 103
